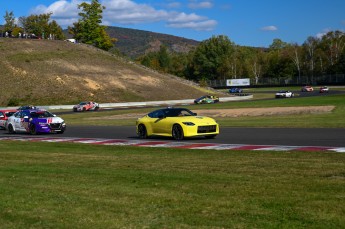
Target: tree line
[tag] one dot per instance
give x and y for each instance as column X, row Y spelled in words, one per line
column 220, row 58
column 33, row 26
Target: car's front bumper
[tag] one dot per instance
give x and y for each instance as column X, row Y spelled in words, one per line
column 200, row 130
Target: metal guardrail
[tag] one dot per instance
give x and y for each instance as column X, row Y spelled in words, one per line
column 142, row 104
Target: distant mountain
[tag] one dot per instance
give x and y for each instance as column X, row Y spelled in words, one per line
column 134, row 42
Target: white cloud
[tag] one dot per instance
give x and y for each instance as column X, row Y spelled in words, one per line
column 64, row 12
column 200, row 5
column 269, row 28
column 199, row 26
column 174, row 5
column 128, row 12
column 323, row 33
column 183, row 17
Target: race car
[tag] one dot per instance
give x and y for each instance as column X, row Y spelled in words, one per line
column 178, row 123
column 324, row 89
column 86, row 106
column 27, row 107
column 284, row 94
column 4, row 114
column 34, row 122
column 307, row 89
column 207, row 99
column 235, row 90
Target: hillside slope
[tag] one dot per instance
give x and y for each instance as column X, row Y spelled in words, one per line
column 134, row 42
column 43, row 72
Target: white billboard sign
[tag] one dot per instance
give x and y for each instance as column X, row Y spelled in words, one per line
column 238, row 82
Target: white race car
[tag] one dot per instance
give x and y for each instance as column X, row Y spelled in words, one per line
column 86, row 106
column 284, row 94
column 324, row 89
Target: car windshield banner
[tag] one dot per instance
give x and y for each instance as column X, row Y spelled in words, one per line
column 238, row 82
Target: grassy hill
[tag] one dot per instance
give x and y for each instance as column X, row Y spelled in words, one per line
column 43, row 72
column 134, row 42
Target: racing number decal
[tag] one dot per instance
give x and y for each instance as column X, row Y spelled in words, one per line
column 24, row 124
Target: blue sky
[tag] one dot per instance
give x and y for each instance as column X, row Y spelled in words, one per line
column 246, row 22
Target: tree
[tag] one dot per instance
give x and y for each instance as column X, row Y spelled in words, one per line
column 310, row 45
column 295, row 54
column 55, row 31
column 9, row 21
column 333, row 43
column 164, row 58
column 257, row 65
column 38, row 24
column 88, row 29
column 278, row 44
column 211, row 56
column 22, row 23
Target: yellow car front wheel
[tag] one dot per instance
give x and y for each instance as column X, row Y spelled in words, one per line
column 142, row 133
column 177, row 132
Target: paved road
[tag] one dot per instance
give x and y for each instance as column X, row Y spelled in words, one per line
column 334, row 137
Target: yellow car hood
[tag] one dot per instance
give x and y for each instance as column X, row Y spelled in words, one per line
column 197, row 120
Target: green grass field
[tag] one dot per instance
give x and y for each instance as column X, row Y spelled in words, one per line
column 55, row 185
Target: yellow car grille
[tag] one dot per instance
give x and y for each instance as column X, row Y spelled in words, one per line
column 207, row 129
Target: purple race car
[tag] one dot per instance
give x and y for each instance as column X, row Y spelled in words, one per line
column 34, row 122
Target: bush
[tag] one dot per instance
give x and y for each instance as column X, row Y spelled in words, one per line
column 13, row 102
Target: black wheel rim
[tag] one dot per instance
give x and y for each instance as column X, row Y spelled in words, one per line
column 10, row 129
column 142, row 131
column 32, row 129
column 177, row 132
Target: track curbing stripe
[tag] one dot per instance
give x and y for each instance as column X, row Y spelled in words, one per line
column 176, row 145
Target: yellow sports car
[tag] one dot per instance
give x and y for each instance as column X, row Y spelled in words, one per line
column 177, row 123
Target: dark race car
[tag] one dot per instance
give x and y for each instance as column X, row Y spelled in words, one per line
column 235, row 90
column 27, row 107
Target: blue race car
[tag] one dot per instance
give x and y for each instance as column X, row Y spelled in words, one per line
column 34, row 122
column 235, row 90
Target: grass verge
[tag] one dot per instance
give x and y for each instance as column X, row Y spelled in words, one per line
column 55, row 185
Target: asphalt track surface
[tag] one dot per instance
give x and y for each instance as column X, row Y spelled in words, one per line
column 333, row 137
column 253, row 136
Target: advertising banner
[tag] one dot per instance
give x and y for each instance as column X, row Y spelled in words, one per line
column 238, row 82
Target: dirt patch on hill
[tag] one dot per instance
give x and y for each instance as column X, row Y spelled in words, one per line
column 240, row 112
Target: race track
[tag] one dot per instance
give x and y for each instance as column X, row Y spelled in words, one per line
column 326, row 137
column 251, row 136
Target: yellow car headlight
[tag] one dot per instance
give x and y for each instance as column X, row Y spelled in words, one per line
column 188, row 123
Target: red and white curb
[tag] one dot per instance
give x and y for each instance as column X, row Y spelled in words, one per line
column 171, row 144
